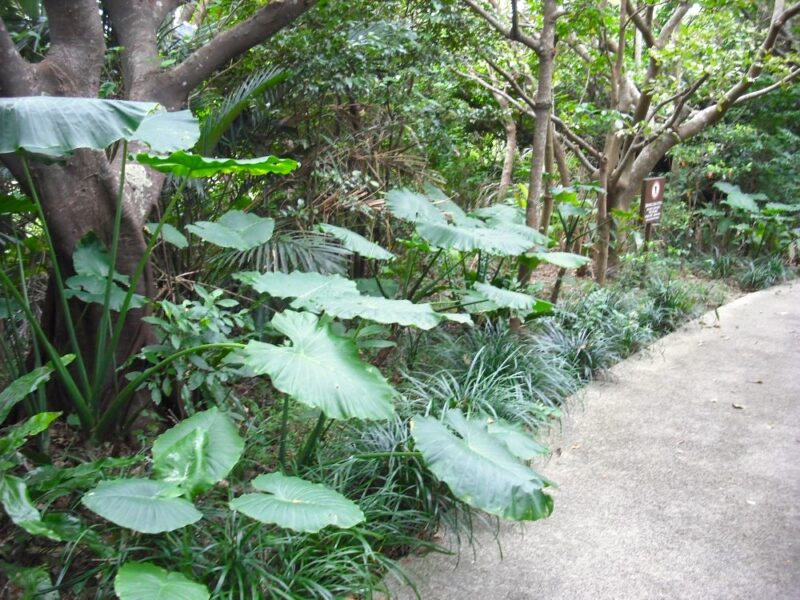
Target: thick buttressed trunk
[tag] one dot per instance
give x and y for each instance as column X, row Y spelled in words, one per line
column 78, row 198
column 79, row 195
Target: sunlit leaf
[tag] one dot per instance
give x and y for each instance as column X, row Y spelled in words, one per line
column 184, row 164
column 321, row 370
column 198, row 452
column 306, row 288
column 410, row 206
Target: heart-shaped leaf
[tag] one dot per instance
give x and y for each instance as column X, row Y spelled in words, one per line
column 142, row 505
column 297, row 504
column 198, row 452
column 235, row 229
column 479, row 469
column 146, row 581
column 306, row 288
column 321, row 370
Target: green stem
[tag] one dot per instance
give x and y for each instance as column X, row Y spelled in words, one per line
column 284, row 433
column 60, row 288
column 424, row 273
column 84, row 414
column 427, row 289
column 110, row 415
column 134, row 281
column 102, row 354
column 311, row 442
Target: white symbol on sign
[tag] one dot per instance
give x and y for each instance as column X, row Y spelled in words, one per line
column 656, row 189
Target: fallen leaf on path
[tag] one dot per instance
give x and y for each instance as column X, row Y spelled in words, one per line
column 739, row 406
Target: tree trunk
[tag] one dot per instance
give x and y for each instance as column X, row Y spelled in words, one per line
column 510, row 153
column 547, row 208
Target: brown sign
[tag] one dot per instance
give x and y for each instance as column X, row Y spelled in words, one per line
column 652, row 199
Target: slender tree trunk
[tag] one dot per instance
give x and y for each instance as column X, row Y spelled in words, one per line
column 510, row 126
column 547, row 207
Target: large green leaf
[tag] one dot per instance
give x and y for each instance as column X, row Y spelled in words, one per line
column 503, row 217
column 445, row 205
column 16, row 435
column 479, row 469
column 169, row 131
column 306, row 288
column 16, row 391
column 235, row 229
column 321, row 370
column 56, row 126
column 382, row 310
column 185, row 164
column 296, row 504
column 356, row 243
column 566, row 260
column 410, row 206
column 468, row 239
column 169, row 234
column 198, row 452
column 736, row 198
column 146, row 581
column 513, row 300
column 142, row 505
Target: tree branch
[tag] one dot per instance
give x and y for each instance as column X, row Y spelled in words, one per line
column 229, row 44
column 506, row 32
column 136, row 28
column 570, row 135
column 790, row 77
column 578, row 154
column 647, row 33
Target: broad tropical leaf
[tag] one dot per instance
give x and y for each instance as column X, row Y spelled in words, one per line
column 306, row 288
column 198, row 452
column 479, row 469
column 382, row 310
column 356, row 243
column 235, row 229
column 410, row 206
column 184, row 164
column 736, row 198
column 445, row 205
column 142, row 505
column 170, row 235
column 56, row 126
column 508, row 218
column 296, row 504
column 146, row 581
column 566, row 260
column 321, row 370
column 168, row 131
column 468, row 239
column 514, row 300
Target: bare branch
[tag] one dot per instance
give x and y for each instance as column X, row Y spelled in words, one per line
column 647, row 33
column 498, row 92
column 136, row 31
column 506, row 32
column 790, row 77
column 672, row 24
column 578, row 154
column 576, row 139
column 513, row 82
column 226, row 46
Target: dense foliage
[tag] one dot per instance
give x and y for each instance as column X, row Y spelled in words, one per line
column 358, row 330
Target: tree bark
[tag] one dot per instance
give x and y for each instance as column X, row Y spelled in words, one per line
column 79, row 195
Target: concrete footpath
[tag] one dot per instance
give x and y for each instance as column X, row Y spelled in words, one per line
column 679, row 477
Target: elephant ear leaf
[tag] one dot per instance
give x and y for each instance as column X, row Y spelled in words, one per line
column 142, row 505
column 235, row 229
column 56, row 126
column 297, row 504
column 411, row 206
column 198, row 452
column 146, row 581
column 479, row 469
column 185, row 164
column 356, row 243
column 321, row 370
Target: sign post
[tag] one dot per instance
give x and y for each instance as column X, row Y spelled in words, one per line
column 652, row 202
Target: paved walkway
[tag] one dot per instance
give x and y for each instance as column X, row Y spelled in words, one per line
column 680, row 478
